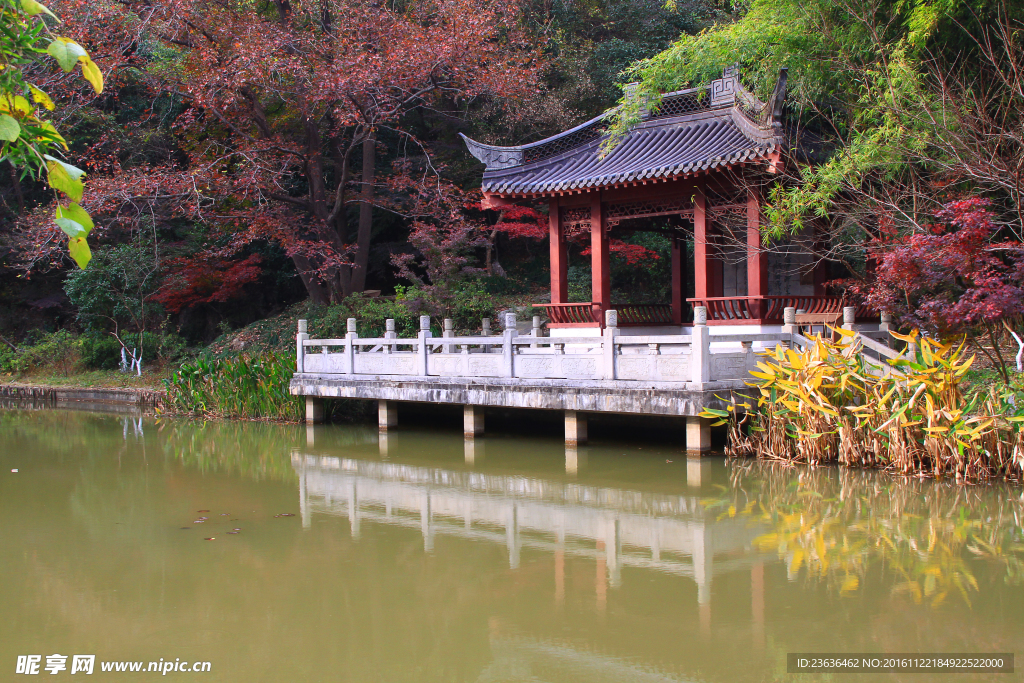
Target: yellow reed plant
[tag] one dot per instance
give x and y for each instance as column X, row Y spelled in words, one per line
column 828, row 402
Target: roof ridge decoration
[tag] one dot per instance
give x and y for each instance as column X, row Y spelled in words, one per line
column 688, row 131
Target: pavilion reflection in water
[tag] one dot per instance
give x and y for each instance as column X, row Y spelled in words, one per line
column 617, row 528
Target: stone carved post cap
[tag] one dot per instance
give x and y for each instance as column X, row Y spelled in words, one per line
column 448, row 324
column 510, row 321
column 789, row 315
column 700, row 315
column 424, row 322
column 611, row 318
column 849, row 315
column 352, row 325
column 302, row 327
column 389, row 325
column 536, row 321
column 886, row 317
column 485, row 323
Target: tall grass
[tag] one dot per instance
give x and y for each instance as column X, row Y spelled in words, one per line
column 247, row 386
column 827, row 403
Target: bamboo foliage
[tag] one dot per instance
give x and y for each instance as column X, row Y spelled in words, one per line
column 828, row 402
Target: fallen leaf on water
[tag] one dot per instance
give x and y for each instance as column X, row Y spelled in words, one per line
column 202, row 511
column 210, row 538
column 232, row 532
column 285, row 514
column 237, row 529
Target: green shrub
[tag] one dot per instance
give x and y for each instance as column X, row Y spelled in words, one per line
column 100, row 352
column 248, row 386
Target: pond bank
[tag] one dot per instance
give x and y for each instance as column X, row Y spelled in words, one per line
column 142, row 398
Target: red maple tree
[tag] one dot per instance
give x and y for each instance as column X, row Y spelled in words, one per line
column 280, row 104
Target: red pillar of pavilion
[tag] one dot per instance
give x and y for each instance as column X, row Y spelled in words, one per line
column 600, row 273
column 703, row 286
column 757, row 259
column 559, row 259
column 678, row 263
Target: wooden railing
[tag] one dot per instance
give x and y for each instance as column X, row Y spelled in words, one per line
column 644, row 314
column 768, row 309
column 586, row 314
column 572, row 314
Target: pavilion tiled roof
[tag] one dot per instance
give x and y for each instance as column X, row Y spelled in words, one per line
column 690, row 132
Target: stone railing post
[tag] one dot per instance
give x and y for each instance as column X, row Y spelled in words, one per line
column 448, row 331
column 389, row 333
column 351, row 335
column 886, row 326
column 849, row 317
column 300, row 350
column 485, row 331
column 507, row 350
column 421, row 348
column 611, row 331
column 537, row 332
column 700, row 350
column 788, row 326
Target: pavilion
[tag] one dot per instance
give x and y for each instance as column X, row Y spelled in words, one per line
column 699, row 163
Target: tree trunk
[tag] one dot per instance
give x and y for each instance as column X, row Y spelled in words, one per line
column 365, row 216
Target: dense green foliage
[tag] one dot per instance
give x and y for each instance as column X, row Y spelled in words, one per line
column 248, row 386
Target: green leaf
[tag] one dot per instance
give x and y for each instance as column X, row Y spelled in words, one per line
column 92, row 74
column 9, row 128
column 65, row 177
column 71, row 228
column 41, row 98
column 73, row 220
column 76, row 213
column 32, row 8
column 66, row 52
column 79, row 250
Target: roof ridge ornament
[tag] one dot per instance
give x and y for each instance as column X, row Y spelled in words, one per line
column 778, row 100
column 723, row 90
column 493, row 156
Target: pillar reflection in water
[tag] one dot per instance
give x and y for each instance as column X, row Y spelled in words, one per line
column 575, row 458
column 474, row 449
column 615, row 528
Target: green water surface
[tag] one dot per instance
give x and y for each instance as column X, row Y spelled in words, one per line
column 421, row 557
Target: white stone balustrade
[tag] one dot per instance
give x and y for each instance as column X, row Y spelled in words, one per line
column 696, row 358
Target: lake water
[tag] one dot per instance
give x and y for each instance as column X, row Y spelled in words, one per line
column 421, row 557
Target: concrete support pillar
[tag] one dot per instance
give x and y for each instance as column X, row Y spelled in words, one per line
column 698, row 435
column 314, row 410
column 387, row 414
column 575, row 427
column 472, row 420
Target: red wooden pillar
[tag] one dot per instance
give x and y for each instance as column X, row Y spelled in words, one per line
column 559, row 261
column 703, row 286
column 678, row 263
column 600, row 268
column 757, row 257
